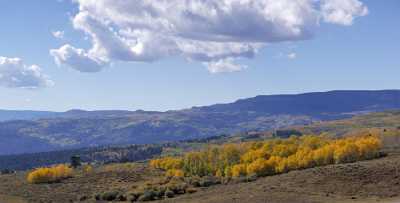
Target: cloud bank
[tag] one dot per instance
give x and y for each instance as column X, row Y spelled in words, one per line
column 15, row 74
column 213, row 32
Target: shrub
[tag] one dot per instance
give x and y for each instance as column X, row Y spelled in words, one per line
column 122, row 197
column 251, row 177
column 175, row 173
column 177, row 187
column 110, row 196
column 159, row 191
column 169, row 193
column 239, row 170
column 50, row 175
column 87, row 169
column 167, row 163
column 133, row 196
column 148, row 195
column 256, row 167
column 347, row 153
column 193, row 181
column 324, row 155
column 208, row 181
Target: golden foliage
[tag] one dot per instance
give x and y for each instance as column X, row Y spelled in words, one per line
column 271, row 157
column 324, row 155
column 239, row 170
column 87, row 169
column 175, row 173
column 49, row 175
column 166, row 163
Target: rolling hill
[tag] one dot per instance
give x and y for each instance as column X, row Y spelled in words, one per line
column 77, row 128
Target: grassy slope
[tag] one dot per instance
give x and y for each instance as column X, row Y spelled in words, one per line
column 382, row 120
column 367, row 181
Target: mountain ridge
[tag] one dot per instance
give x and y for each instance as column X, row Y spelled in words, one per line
column 79, row 128
column 33, row 114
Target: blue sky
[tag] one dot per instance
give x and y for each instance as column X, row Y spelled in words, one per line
column 364, row 55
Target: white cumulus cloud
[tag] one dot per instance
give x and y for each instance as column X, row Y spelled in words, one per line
column 15, row 74
column 78, row 59
column 213, row 32
column 58, row 34
column 292, row 55
column 224, row 66
column 342, row 12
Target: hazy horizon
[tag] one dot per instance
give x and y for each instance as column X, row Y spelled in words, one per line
column 193, row 106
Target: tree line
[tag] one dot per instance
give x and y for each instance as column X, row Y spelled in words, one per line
column 270, row 157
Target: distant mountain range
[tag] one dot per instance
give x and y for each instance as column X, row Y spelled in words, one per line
column 24, row 115
column 7, row 115
column 33, row 131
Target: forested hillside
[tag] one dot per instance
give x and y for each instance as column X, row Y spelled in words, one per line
column 78, row 129
column 98, row 155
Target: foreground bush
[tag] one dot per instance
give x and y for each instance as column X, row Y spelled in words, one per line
column 87, row 169
column 50, row 175
column 111, row 196
column 270, row 157
column 168, row 187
